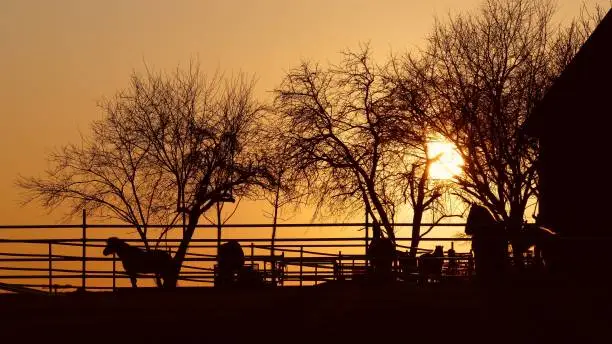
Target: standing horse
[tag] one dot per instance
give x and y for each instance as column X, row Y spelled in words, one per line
column 230, row 260
column 136, row 261
column 489, row 242
column 408, row 264
column 545, row 241
column 430, row 266
column 381, row 254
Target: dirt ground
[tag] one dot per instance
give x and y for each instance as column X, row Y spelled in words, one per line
column 339, row 312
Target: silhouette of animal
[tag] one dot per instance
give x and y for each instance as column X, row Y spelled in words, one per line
column 230, row 259
column 381, row 254
column 137, row 261
column 489, row 242
column 408, row 264
column 430, row 266
column 544, row 239
column 249, row 277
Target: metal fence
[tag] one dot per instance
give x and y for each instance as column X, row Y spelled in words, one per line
column 60, row 264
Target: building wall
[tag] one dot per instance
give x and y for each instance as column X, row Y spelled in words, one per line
column 576, row 152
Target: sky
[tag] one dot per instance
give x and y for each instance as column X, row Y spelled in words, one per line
column 59, row 58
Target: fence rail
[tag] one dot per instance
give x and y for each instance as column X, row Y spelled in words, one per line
column 297, row 261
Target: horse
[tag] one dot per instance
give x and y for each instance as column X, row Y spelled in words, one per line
column 137, row 261
column 489, row 242
column 408, row 264
column 230, row 260
column 249, row 277
column 381, row 254
column 430, row 266
column 543, row 239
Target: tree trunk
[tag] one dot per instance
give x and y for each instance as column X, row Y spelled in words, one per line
column 272, row 241
column 181, row 252
column 417, row 218
column 515, row 223
column 143, row 236
column 517, row 257
column 218, row 227
column 418, row 209
column 380, row 210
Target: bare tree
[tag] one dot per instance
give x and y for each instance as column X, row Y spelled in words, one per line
column 283, row 189
column 357, row 145
column 412, row 180
column 220, row 219
column 195, row 136
column 479, row 77
column 285, row 180
column 339, row 133
column 109, row 175
column 421, row 191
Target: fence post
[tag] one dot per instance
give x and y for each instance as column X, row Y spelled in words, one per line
column 273, row 263
column 339, row 274
column 219, row 224
column 252, row 254
column 282, row 281
column 114, row 270
column 83, row 267
column 301, row 256
column 50, row 267
column 367, row 235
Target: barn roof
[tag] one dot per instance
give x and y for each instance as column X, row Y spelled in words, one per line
column 590, row 68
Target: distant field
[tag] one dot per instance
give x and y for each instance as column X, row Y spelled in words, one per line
column 327, row 313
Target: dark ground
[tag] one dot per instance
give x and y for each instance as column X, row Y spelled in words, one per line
column 343, row 313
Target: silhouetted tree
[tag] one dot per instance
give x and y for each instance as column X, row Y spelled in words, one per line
column 475, row 84
column 169, row 142
column 425, row 195
column 355, row 143
column 339, row 133
column 412, row 181
column 283, row 189
column 416, row 186
column 110, row 175
column 220, row 219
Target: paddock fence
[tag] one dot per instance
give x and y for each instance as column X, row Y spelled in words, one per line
column 62, row 258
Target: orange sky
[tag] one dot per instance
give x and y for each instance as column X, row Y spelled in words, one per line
column 57, row 58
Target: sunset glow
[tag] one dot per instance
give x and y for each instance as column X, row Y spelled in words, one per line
column 448, row 162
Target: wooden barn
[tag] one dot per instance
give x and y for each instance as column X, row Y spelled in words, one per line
column 573, row 126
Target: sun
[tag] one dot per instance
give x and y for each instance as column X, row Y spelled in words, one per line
column 448, row 162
